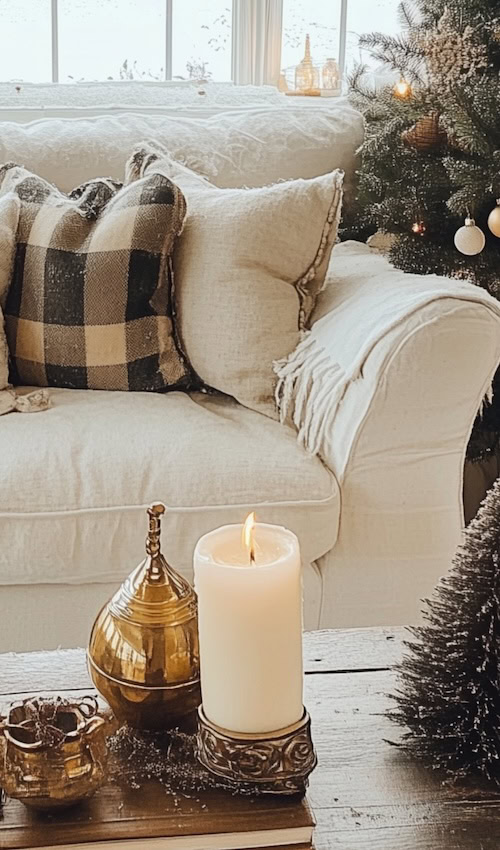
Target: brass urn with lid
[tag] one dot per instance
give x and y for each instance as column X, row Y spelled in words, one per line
column 143, row 653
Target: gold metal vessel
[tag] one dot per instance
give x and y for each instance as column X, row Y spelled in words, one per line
column 53, row 755
column 143, row 654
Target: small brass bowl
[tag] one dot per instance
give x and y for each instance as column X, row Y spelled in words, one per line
column 54, row 764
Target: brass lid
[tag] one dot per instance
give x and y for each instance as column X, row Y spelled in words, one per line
column 154, row 593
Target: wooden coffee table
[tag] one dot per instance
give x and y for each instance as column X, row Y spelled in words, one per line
column 366, row 794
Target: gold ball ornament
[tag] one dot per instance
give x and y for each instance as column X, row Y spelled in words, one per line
column 494, row 220
column 426, row 134
column 470, row 239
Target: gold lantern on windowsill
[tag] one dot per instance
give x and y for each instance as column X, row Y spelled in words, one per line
column 306, row 74
column 310, row 79
column 330, row 77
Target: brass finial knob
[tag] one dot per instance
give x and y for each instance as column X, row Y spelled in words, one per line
column 155, row 513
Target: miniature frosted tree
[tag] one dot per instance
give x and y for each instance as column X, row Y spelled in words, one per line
column 449, row 682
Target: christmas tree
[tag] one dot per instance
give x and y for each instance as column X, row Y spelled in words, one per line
column 449, row 694
column 430, row 172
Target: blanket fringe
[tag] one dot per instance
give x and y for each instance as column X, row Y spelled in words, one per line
column 315, row 385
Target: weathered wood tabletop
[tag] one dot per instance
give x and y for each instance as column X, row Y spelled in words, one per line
column 365, row 793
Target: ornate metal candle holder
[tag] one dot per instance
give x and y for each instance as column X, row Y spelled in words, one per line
column 143, row 654
column 272, row 763
column 52, row 753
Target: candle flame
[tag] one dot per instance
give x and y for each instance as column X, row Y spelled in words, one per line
column 247, row 536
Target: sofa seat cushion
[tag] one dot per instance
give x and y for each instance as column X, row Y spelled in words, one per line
column 74, row 481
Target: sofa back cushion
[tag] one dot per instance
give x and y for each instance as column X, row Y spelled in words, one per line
column 254, row 147
column 89, row 301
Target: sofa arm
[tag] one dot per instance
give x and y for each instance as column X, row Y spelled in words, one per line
column 423, row 349
column 396, row 433
column 422, row 365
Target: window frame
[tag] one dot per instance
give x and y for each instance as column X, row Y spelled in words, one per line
column 236, row 40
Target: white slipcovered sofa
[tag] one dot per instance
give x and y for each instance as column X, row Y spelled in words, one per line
column 378, row 511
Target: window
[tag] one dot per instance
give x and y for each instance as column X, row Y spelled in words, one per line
column 321, row 21
column 362, row 17
column 334, row 27
column 26, row 52
column 111, row 40
column 72, row 40
column 201, row 43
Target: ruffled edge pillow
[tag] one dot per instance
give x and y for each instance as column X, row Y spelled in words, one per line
column 248, row 266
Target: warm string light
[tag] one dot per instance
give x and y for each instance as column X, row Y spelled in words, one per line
column 419, row 228
column 247, row 537
column 403, row 89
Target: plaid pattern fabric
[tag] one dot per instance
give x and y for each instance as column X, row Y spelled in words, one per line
column 89, row 305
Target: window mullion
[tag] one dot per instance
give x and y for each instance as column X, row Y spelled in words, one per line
column 168, row 40
column 234, row 39
column 342, row 36
column 55, row 41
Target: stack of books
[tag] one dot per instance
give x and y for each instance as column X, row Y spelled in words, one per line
column 150, row 818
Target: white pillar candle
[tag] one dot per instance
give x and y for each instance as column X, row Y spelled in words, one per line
column 250, row 627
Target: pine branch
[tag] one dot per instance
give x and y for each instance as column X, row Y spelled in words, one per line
column 471, row 124
column 389, row 43
column 407, row 14
column 466, row 201
column 494, row 185
column 360, row 91
column 398, row 52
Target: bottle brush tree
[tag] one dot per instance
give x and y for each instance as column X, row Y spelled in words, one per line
column 449, row 682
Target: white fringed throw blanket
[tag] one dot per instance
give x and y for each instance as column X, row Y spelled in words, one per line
column 311, row 381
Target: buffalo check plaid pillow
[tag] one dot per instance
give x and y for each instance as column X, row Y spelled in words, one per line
column 89, row 304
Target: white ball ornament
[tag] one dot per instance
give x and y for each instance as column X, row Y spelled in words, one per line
column 470, row 239
column 494, row 220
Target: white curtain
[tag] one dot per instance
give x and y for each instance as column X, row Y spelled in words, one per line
column 257, row 41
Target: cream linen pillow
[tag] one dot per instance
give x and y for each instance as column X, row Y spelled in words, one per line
column 9, row 216
column 248, row 266
column 4, row 355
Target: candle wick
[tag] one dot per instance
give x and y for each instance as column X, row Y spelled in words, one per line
column 252, row 556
